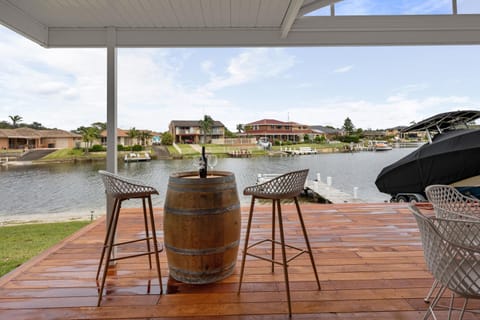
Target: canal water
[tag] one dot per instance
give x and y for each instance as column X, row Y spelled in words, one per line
column 64, row 191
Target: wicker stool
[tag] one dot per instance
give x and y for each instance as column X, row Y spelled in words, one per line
column 287, row 186
column 120, row 189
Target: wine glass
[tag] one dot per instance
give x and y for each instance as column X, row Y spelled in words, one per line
column 212, row 160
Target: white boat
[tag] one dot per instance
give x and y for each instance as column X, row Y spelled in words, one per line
column 382, row 146
column 300, row 151
column 136, row 157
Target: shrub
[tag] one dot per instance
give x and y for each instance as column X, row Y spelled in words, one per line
column 348, row 139
column 137, row 147
column 167, row 139
column 97, row 148
column 120, row 147
column 320, row 139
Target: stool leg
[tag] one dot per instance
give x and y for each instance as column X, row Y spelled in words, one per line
column 304, row 230
column 284, row 257
column 155, row 244
column 110, row 247
column 146, row 232
column 273, row 235
column 107, row 235
column 247, row 236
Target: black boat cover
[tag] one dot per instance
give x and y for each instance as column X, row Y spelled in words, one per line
column 452, row 156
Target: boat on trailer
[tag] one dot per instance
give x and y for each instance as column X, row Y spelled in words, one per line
column 451, row 156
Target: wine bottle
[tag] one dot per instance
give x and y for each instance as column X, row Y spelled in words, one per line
column 203, row 168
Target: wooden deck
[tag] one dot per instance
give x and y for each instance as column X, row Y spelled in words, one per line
column 369, row 258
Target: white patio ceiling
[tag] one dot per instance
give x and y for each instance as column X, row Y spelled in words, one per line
column 222, row 23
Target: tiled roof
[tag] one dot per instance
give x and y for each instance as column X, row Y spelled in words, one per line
column 124, row 133
column 33, row 133
column 274, row 122
column 193, row 123
column 267, row 122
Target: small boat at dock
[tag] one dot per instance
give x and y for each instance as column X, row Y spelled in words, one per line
column 300, row 151
column 137, row 157
column 382, row 146
column 242, row 153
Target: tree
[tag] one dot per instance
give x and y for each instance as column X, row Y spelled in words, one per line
column 89, row 134
column 348, row 126
column 229, row 134
column 101, row 126
column 15, row 119
column 5, row 125
column 144, row 136
column 132, row 134
column 36, row 125
column 167, row 139
column 240, row 128
column 206, row 126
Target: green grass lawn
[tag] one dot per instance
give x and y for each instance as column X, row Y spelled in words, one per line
column 66, row 154
column 187, row 150
column 22, row 242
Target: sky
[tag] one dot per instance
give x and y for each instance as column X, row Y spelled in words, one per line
column 376, row 87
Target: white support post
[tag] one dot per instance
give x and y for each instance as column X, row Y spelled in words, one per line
column 111, row 109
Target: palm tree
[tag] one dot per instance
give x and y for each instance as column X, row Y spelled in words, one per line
column 144, row 136
column 15, row 119
column 206, row 126
column 89, row 134
column 240, row 128
column 132, row 134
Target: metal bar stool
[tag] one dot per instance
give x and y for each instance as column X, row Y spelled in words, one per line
column 120, row 189
column 287, row 186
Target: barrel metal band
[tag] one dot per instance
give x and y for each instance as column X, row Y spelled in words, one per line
column 198, row 273
column 198, row 212
column 184, row 188
column 202, row 252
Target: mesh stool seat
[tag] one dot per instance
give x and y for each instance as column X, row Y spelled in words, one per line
column 286, row 186
column 449, row 203
column 452, row 254
column 121, row 189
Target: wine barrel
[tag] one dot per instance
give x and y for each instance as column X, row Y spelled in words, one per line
column 201, row 226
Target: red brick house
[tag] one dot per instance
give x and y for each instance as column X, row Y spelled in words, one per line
column 277, row 130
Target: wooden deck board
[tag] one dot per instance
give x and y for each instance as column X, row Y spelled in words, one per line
column 368, row 256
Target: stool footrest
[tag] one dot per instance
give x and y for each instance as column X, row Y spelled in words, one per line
column 301, row 251
column 129, row 241
column 136, row 255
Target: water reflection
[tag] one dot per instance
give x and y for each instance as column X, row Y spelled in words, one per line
column 77, row 188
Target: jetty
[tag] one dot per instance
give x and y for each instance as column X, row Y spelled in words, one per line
column 325, row 192
column 320, row 191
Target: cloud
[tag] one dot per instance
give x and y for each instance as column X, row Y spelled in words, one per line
column 343, row 69
column 390, row 112
column 428, row 7
column 250, row 66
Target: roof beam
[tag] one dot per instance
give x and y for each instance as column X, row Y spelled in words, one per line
column 315, row 5
column 290, row 16
column 17, row 20
column 306, row 31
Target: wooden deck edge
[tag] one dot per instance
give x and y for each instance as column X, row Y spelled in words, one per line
column 34, row 260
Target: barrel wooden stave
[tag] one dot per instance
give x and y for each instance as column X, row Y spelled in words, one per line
column 202, row 227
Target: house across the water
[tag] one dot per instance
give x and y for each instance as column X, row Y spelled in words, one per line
column 28, row 138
